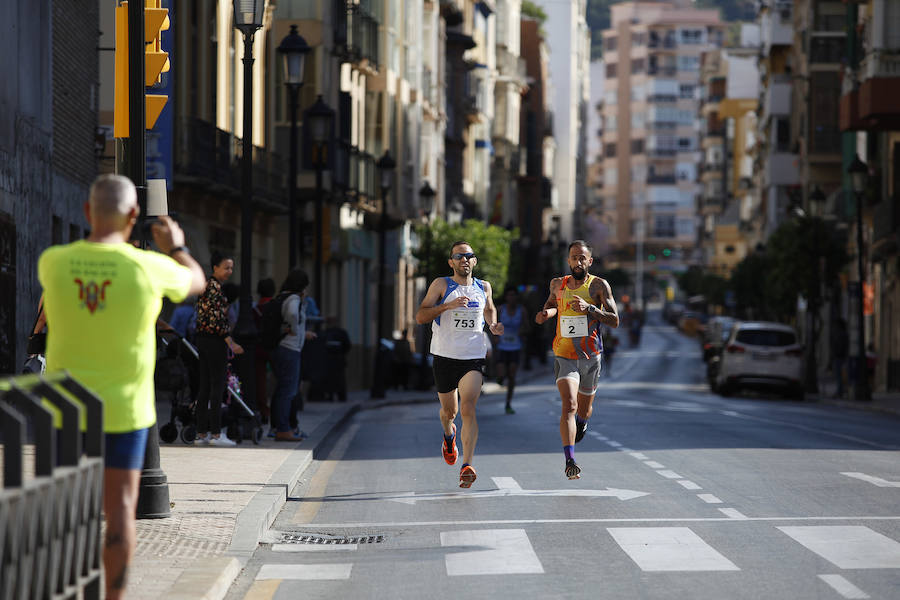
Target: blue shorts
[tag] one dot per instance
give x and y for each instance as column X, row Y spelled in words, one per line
column 126, row 450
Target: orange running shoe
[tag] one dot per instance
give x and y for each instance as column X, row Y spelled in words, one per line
column 450, row 454
column 467, row 476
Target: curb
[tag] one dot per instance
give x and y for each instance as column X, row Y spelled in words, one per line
column 212, row 579
column 869, row 406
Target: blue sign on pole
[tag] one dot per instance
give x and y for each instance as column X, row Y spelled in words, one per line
column 159, row 139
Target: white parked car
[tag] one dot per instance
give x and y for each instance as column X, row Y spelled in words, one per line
column 759, row 354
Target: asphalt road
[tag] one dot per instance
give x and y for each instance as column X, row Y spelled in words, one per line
column 683, row 495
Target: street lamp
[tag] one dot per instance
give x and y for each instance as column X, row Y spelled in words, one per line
column 859, row 173
column 320, row 118
column 455, row 212
column 427, row 194
column 248, row 17
column 293, row 50
column 385, row 166
column 817, row 201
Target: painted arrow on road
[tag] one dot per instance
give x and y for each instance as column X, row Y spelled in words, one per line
column 874, row 480
column 507, row 486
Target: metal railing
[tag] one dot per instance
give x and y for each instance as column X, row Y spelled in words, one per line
column 50, row 524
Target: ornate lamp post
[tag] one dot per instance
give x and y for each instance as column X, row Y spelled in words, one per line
column 859, row 173
column 293, row 50
column 385, row 166
column 320, row 118
column 427, row 194
column 248, row 17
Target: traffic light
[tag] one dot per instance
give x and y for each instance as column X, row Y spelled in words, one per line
column 156, row 20
column 667, row 252
column 651, row 257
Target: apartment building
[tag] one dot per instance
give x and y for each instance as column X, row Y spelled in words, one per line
column 570, row 64
column 651, row 134
column 729, row 98
column 538, row 148
column 870, row 114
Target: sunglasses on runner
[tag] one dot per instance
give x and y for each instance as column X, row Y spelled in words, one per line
column 462, row 255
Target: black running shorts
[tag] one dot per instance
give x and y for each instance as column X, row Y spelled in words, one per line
column 448, row 371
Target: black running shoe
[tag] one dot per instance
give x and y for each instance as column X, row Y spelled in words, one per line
column 580, row 428
column 573, row 471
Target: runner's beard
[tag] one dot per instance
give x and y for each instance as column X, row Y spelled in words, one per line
column 578, row 273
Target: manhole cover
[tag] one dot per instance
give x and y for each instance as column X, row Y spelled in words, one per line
column 300, row 538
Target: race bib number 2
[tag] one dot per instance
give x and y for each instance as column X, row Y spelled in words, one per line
column 465, row 320
column 573, row 326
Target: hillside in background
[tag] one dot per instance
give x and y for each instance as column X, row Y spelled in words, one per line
column 598, row 16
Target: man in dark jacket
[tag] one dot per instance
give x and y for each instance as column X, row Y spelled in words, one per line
column 337, row 346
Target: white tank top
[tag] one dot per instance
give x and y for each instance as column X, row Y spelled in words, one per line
column 459, row 333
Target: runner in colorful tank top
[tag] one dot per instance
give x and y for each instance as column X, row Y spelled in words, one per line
column 509, row 347
column 582, row 303
column 458, row 308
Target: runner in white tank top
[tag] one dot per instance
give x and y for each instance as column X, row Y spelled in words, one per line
column 458, row 307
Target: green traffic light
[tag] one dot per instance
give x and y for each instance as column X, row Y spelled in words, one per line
column 651, row 257
column 667, row 252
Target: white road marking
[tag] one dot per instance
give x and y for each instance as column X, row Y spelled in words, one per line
column 843, row 587
column 848, row 546
column 312, row 547
column 639, row 455
column 474, row 523
column 508, row 551
column 733, row 513
column 614, row 444
column 624, row 449
column 653, row 464
column 688, row 484
column 306, row 572
column 412, row 498
column 709, row 498
column 669, row 549
column 670, row 474
column 841, row 436
column 874, row 480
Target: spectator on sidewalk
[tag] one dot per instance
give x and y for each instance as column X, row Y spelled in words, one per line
column 286, row 357
column 401, row 360
column 184, row 320
column 213, row 342
column 266, row 291
column 840, row 349
column 337, row 347
column 102, row 297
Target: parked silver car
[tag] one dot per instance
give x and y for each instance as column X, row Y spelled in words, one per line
column 760, row 354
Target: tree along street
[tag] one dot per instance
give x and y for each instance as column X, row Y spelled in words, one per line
column 683, row 495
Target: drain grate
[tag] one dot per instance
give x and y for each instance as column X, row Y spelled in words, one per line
column 295, row 538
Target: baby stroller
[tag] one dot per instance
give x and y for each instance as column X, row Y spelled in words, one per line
column 172, row 380
column 240, row 421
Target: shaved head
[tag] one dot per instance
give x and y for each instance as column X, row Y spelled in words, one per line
column 112, row 197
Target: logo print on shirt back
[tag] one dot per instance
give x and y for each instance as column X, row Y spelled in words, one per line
column 92, row 296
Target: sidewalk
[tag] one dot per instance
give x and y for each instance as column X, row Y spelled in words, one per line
column 224, row 499
column 888, row 402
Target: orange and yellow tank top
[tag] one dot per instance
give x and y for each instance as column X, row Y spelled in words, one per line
column 577, row 335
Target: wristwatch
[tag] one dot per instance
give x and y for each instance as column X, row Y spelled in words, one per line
column 179, row 249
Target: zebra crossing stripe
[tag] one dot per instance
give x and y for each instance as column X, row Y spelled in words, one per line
column 669, row 549
column 315, row 572
column 848, row 546
column 508, row 552
column 843, row 587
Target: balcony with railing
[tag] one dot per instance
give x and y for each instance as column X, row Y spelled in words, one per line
column 356, row 31
column 211, row 156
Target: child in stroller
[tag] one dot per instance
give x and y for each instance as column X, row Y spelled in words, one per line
column 172, row 380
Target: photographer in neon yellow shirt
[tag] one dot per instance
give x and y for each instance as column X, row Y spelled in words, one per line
column 102, row 297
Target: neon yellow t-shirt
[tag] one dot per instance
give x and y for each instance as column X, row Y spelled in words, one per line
column 102, row 302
